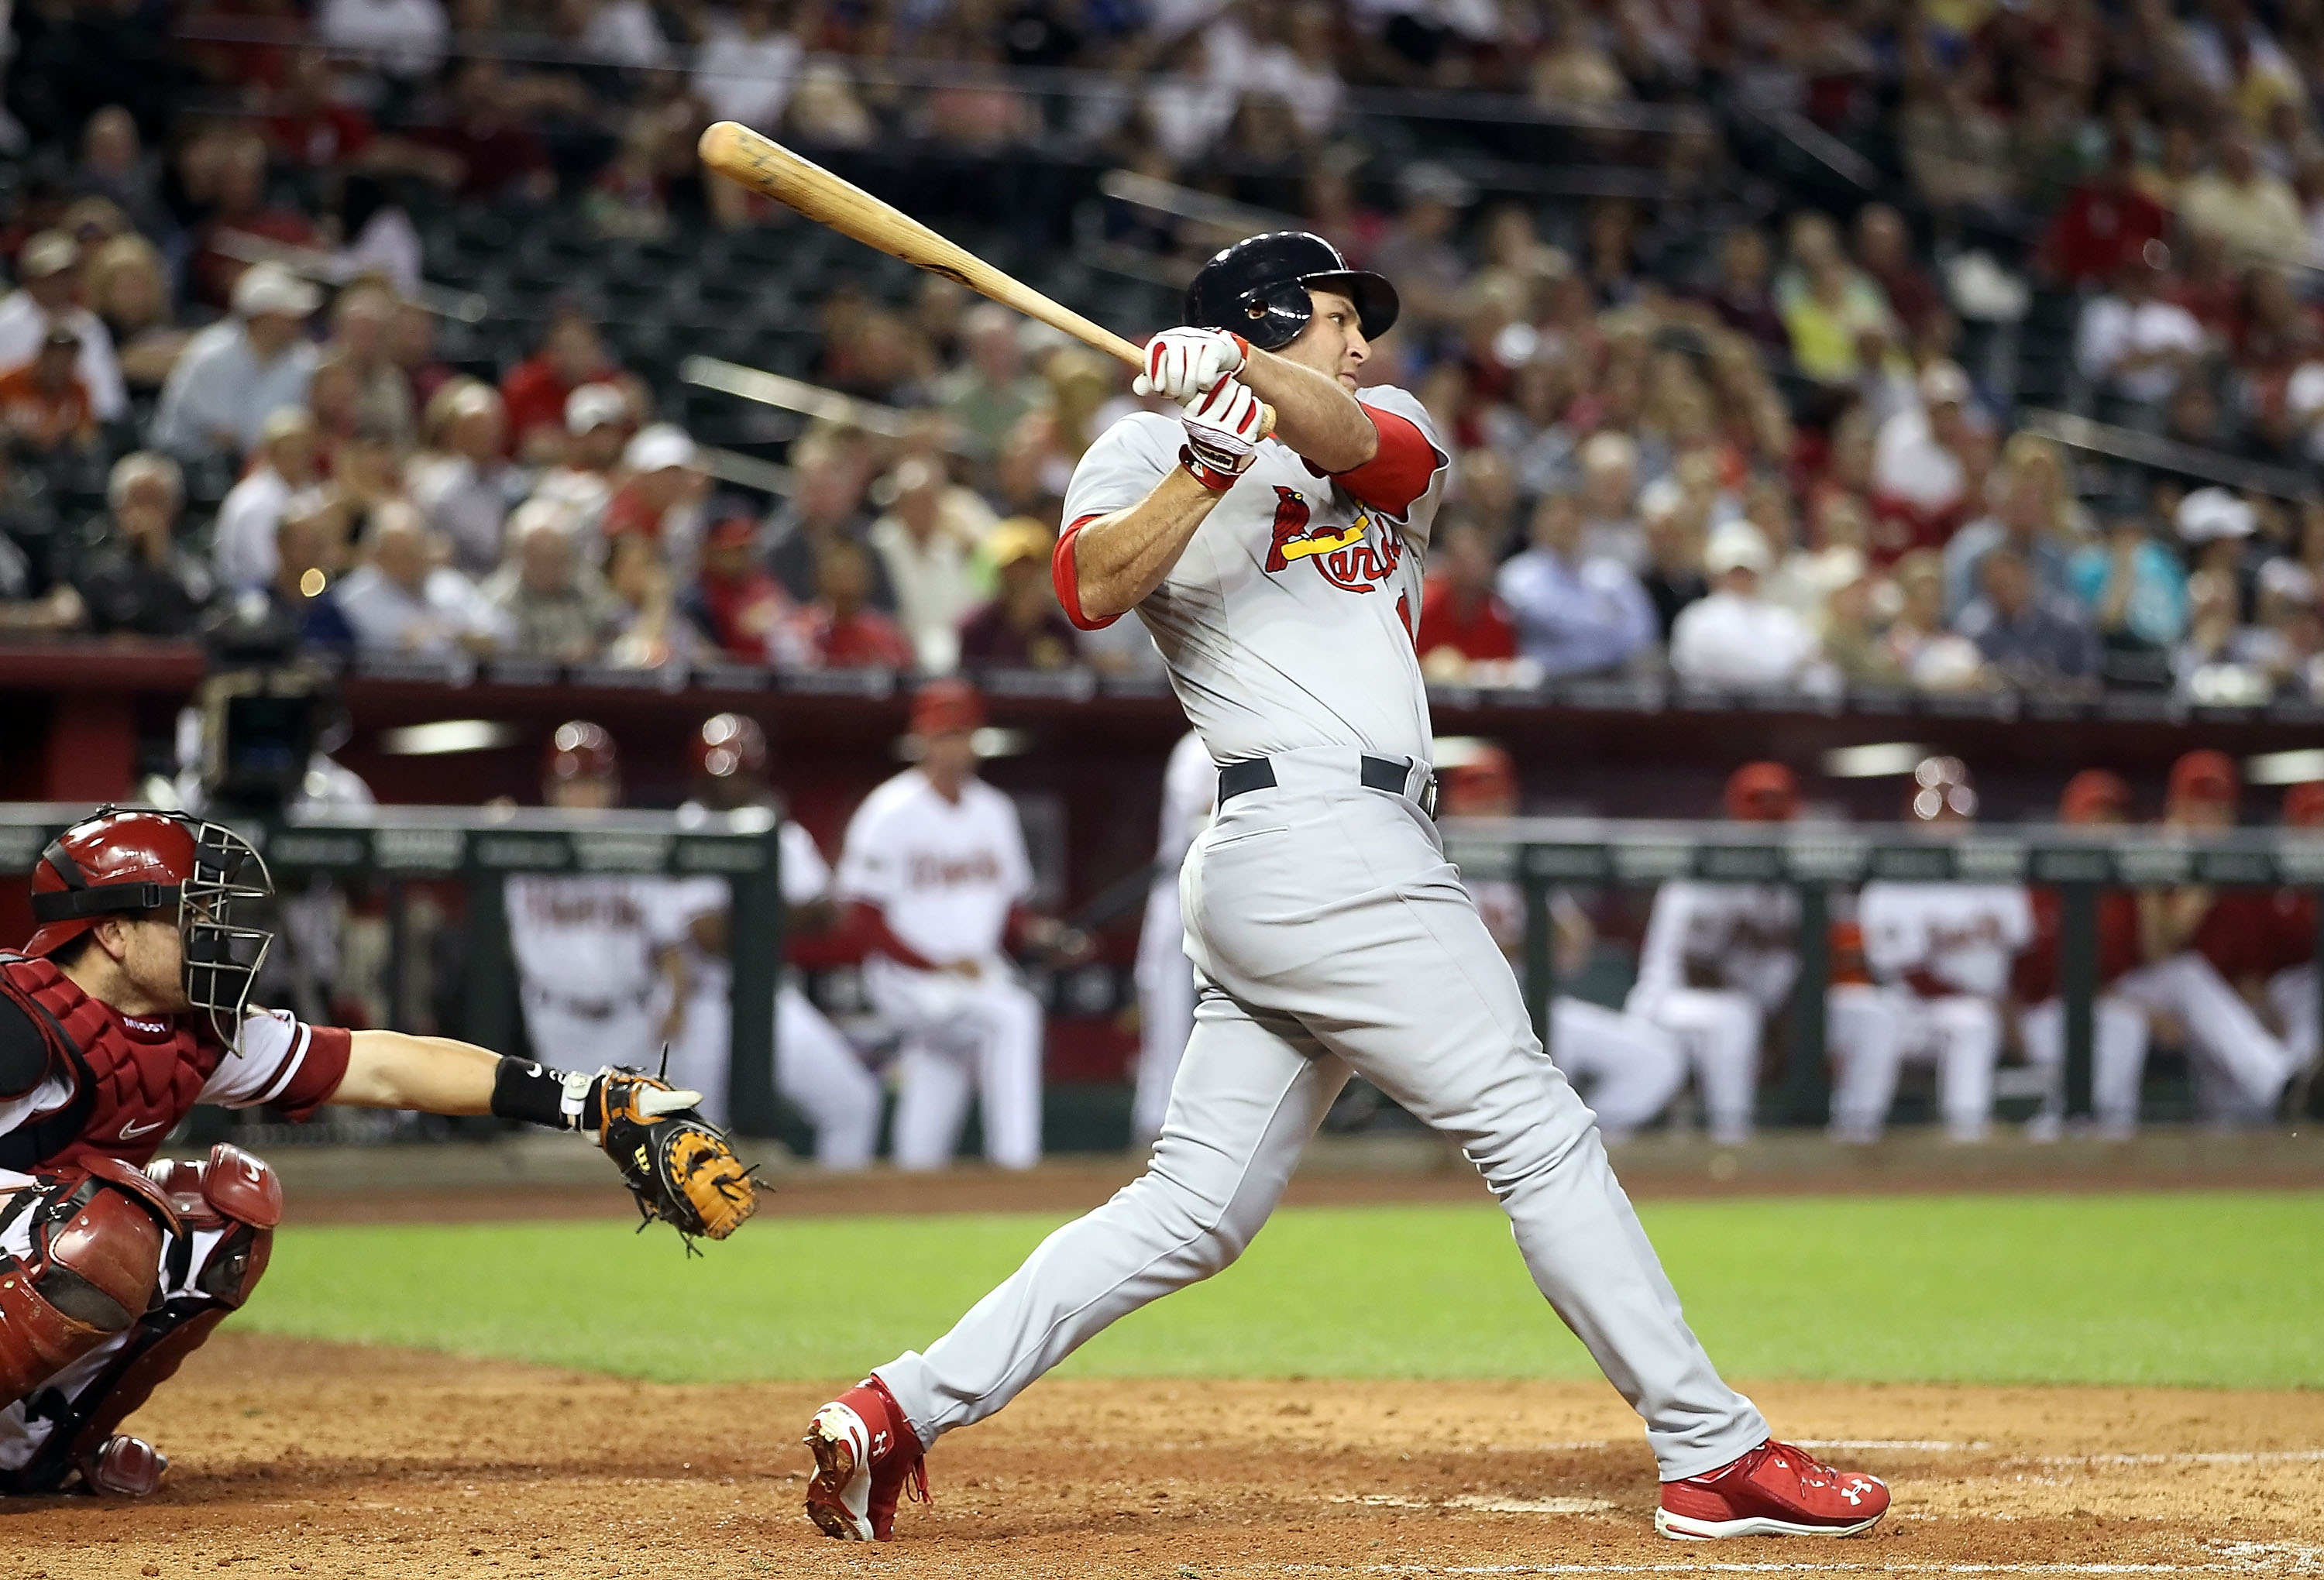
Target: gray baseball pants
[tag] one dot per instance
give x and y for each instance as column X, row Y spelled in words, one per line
column 1331, row 935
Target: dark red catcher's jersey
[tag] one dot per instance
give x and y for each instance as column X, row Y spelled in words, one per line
column 116, row 1084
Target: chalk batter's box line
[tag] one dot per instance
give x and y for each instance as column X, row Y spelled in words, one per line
column 2303, row 1562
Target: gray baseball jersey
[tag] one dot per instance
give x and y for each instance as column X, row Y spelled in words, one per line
column 1288, row 620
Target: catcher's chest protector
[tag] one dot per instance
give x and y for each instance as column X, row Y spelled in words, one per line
column 133, row 1081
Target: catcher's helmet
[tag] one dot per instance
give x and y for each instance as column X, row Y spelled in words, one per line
column 730, row 745
column 1475, row 778
column 1258, row 288
column 1762, row 792
column 579, row 750
column 1941, row 788
column 125, row 861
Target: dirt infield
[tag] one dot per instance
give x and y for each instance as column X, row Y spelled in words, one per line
column 327, row 1460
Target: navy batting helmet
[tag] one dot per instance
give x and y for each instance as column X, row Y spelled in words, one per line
column 1258, row 286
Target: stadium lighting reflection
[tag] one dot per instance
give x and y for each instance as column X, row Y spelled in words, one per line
column 2285, row 768
column 446, row 736
column 1882, row 760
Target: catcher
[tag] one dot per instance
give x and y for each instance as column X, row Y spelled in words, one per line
column 128, row 1006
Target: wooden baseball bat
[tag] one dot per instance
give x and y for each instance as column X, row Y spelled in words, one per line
column 764, row 165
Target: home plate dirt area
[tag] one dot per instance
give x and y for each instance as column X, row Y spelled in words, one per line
column 294, row 1456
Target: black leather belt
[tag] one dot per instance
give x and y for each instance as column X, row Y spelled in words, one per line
column 1374, row 773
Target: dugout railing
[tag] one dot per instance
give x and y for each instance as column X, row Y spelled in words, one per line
column 479, row 848
column 1542, row 855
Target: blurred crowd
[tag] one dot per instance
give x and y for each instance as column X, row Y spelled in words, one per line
column 1765, row 447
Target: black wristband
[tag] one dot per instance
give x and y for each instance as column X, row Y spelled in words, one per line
column 531, row 1092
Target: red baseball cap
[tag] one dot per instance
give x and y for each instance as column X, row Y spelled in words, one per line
column 942, row 706
column 2206, row 775
column 1762, row 792
column 2093, row 795
column 2303, row 805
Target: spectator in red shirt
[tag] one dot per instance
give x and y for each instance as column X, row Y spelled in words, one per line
column 738, row 605
column 1022, row 627
column 536, row 389
column 844, row 630
column 43, row 404
column 1461, row 620
column 2105, row 221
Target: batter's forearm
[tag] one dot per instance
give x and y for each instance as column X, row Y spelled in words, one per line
column 435, row 1075
column 1312, row 414
column 1119, row 559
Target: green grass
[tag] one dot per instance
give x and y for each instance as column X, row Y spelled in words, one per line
column 2210, row 1289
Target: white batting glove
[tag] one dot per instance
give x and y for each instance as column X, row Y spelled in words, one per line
column 1222, row 433
column 1183, row 362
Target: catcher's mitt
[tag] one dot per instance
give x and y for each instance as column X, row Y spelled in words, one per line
column 677, row 1164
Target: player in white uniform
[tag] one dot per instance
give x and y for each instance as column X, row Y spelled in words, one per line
column 587, row 945
column 1629, row 1067
column 816, row 1072
column 2240, row 1067
column 1280, row 579
column 2291, row 988
column 1940, row 954
column 1166, row 980
column 1719, row 958
column 2092, row 798
column 934, row 865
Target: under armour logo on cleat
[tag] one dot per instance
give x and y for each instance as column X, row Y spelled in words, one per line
column 879, row 1444
column 1853, row 1494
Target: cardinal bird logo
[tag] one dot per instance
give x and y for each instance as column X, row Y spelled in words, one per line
column 1343, row 554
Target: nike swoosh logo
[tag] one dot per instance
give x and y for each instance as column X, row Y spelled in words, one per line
column 132, row 1132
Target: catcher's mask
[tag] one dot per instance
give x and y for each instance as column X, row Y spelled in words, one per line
column 125, row 860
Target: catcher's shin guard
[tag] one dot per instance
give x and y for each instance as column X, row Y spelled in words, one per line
column 231, row 1194
column 90, row 1270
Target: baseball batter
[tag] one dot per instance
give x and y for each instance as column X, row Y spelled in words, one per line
column 1630, row 1067
column 816, row 1071
column 1718, row 958
column 935, row 864
column 2118, row 1028
column 589, row 947
column 1940, row 954
column 2240, row 1067
column 1166, row 982
column 1279, row 575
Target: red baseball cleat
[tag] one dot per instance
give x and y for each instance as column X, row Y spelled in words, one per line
column 865, row 1458
column 1775, row 1490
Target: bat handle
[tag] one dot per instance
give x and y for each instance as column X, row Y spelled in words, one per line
column 1265, row 419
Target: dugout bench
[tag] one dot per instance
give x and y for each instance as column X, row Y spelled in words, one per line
column 1543, row 854
column 479, row 848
